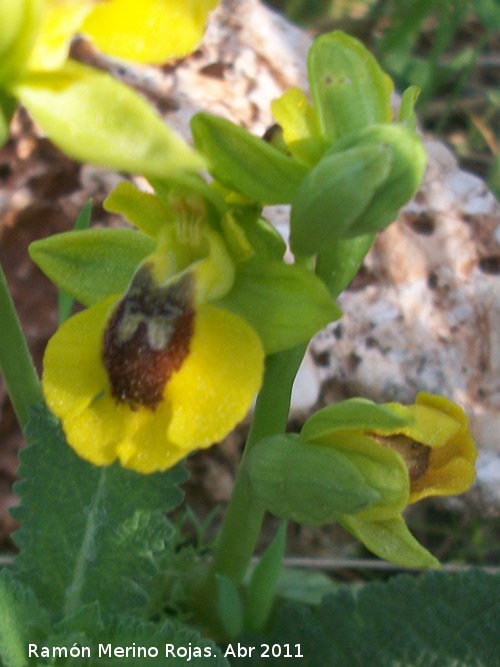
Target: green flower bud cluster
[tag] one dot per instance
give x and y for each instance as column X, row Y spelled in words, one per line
column 343, row 162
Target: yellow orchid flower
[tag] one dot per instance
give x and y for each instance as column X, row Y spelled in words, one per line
column 150, row 377
column 437, row 447
column 361, row 464
column 150, row 31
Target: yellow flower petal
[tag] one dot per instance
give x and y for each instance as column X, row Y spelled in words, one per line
column 203, row 401
column 451, row 465
column 63, row 19
column 214, row 388
column 300, row 125
column 73, row 373
column 149, row 31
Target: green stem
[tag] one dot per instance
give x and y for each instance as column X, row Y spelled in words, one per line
column 243, row 520
column 16, row 365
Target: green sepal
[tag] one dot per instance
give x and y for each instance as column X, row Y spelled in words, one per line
column 65, row 301
column 284, row 303
column 406, row 114
column 7, row 107
column 247, row 233
column 334, row 197
column 229, row 606
column 20, row 21
column 93, row 264
column 390, row 540
column 23, row 620
column 264, row 582
column 187, row 185
column 142, row 209
column 245, row 163
column 337, row 264
column 94, row 118
column 406, row 172
column 317, row 484
column 354, row 414
column 349, row 89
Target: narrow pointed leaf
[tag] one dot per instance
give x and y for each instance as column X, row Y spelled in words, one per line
column 264, row 581
column 391, row 540
column 229, row 606
column 245, row 163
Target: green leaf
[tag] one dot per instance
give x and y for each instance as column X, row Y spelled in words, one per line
column 406, row 114
column 229, row 605
column 260, row 235
column 142, row 209
column 94, row 118
column 20, row 21
column 349, row 89
column 338, row 263
column 22, row 622
column 391, row 540
column 65, row 301
column 189, row 184
column 433, row 620
column 308, row 483
column 246, row 163
column 89, row 533
column 306, row 586
column 284, row 303
column 403, row 180
column 352, row 414
column 263, row 584
column 335, row 196
column 93, row 264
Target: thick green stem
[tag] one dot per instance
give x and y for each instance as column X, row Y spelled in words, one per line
column 16, row 365
column 243, row 520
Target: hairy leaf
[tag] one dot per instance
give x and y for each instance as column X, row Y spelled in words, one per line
column 436, row 620
column 89, row 533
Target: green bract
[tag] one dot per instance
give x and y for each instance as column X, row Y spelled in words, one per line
column 361, row 183
column 348, row 86
column 245, row 163
column 341, row 162
column 317, row 484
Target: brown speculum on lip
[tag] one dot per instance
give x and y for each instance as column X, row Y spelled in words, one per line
column 148, row 338
column 415, row 455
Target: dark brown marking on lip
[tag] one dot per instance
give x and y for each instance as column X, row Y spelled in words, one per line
column 415, row 455
column 147, row 338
